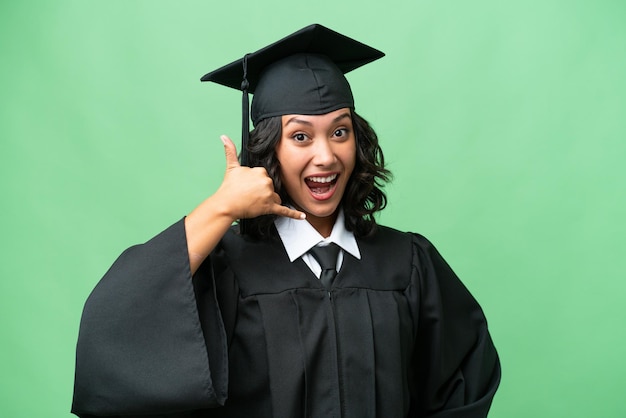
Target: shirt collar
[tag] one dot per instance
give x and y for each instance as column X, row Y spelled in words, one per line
column 298, row 236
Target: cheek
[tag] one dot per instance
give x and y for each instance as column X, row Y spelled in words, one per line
column 292, row 161
column 282, row 160
column 287, row 171
column 279, row 152
column 349, row 159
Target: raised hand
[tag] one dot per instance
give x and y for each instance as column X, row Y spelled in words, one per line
column 245, row 193
column 249, row 192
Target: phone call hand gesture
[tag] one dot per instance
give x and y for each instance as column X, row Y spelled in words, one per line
column 249, row 192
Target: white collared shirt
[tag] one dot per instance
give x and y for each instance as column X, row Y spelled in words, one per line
column 298, row 237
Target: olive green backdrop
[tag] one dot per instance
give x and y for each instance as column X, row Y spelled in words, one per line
column 503, row 122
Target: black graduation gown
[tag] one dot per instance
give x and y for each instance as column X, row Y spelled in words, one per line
column 254, row 335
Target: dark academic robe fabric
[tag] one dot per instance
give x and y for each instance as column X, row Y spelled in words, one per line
column 254, row 335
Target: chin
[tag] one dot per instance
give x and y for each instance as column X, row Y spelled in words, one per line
column 318, row 212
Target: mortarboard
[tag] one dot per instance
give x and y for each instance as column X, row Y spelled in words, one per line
column 302, row 73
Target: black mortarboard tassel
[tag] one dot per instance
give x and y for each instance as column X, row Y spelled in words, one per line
column 245, row 121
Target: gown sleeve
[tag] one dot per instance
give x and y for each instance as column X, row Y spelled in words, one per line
column 456, row 364
column 142, row 349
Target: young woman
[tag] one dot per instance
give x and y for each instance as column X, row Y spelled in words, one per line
column 208, row 319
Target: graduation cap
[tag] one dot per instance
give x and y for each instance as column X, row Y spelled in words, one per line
column 302, row 73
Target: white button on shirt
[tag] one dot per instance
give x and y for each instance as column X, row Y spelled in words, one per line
column 298, row 237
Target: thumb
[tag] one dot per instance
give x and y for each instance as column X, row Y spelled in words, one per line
column 231, row 152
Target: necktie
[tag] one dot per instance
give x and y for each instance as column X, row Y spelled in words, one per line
column 327, row 258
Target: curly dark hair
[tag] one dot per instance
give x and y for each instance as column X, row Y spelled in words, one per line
column 363, row 195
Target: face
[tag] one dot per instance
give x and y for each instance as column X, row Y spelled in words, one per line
column 317, row 155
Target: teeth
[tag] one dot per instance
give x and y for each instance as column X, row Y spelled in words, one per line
column 323, row 179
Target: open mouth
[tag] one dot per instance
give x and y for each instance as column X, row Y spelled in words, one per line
column 321, row 185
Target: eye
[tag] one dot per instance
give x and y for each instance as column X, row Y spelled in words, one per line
column 340, row 133
column 299, row 137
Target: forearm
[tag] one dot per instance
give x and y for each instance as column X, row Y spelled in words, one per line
column 204, row 228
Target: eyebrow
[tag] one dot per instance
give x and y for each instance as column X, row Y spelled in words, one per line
column 342, row 116
column 306, row 122
column 296, row 120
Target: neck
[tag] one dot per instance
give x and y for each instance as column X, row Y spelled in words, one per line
column 323, row 225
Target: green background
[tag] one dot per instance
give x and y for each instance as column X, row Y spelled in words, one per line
column 503, row 122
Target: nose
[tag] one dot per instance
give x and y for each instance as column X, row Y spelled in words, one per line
column 324, row 152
